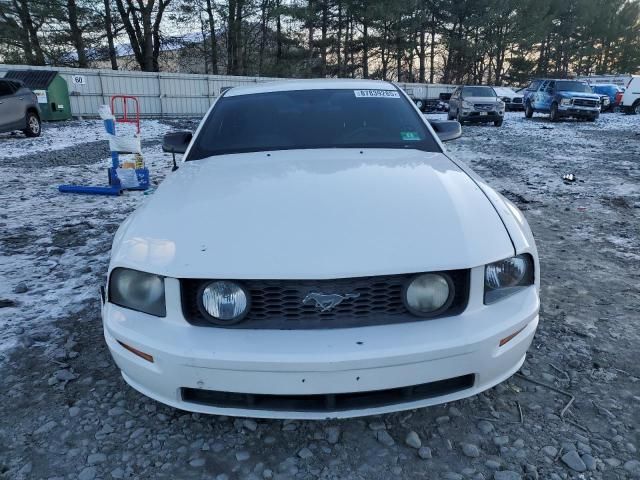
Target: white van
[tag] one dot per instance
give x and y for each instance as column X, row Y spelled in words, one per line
column 631, row 98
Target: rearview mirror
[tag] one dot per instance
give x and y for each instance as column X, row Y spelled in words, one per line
column 446, row 129
column 176, row 142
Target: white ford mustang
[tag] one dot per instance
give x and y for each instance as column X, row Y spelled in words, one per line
column 318, row 255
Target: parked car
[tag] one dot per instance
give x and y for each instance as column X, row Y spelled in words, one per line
column 318, row 254
column 19, row 109
column 631, row 97
column 476, row 104
column 512, row 100
column 610, row 91
column 562, row 98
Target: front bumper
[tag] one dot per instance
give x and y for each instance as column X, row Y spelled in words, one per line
column 299, row 363
column 480, row 117
column 576, row 111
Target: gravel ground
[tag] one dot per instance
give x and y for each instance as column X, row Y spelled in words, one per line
column 66, row 413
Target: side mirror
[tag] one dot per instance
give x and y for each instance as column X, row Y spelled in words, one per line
column 446, row 129
column 176, row 142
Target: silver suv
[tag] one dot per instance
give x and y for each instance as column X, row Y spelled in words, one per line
column 19, row 109
column 476, row 104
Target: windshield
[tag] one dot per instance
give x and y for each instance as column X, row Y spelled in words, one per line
column 478, row 92
column 306, row 119
column 573, row 87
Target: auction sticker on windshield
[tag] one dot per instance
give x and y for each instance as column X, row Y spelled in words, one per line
column 376, row 93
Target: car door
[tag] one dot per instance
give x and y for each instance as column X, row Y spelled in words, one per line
column 11, row 108
column 549, row 95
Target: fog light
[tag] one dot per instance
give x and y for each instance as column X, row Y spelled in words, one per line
column 429, row 294
column 223, row 302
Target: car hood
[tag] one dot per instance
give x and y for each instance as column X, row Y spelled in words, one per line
column 313, row 214
column 568, row 94
column 481, row 99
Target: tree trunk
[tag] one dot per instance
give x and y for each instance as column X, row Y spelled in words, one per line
column 76, row 33
column 37, row 55
column 108, row 25
column 422, row 52
column 432, row 46
column 323, row 32
column 278, row 34
column 365, row 48
column 339, row 39
column 213, row 39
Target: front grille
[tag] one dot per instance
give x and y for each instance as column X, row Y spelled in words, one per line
column 277, row 304
column 484, row 106
column 516, row 100
column 330, row 402
column 584, row 102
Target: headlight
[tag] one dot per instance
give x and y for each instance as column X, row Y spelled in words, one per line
column 139, row 291
column 429, row 294
column 566, row 101
column 507, row 277
column 223, row 302
column 466, row 104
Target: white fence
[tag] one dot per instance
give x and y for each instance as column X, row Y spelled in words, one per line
column 167, row 94
column 159, row 94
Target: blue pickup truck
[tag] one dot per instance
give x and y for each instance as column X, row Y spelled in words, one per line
column 561, row 98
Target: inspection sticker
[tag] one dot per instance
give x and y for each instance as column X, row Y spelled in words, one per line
column 410, row 136
column 376, row 93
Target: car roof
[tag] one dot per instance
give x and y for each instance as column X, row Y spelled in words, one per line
column 316, row 84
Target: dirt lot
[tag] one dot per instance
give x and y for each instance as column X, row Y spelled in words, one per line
column 65, row 412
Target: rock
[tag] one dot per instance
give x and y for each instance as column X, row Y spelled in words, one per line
column 305, row 453
column 396, row 470
column 507, row 475
column 88, row 473
column 96, row 458
column 485, row 427
column 267, row 474
column 589, row 461
column 424, row 453
column 250, row 424
column 46, row 428
column 64, row 375
column 375, row 426
column 452, row 476
column 383, row 437
column 117, row 473
column 442, row 420
column 21, row 288
column 74, row 411
column 633, row 467
column 573, row 461
column 518, row 443
column 455, row 412
column 222, row 476
column 115, row 411
column 470, row 450
column 197, row 462
column 501, row 440
column 550, row 451
column 413, row 440
column 332, row 435
column 242, row 455
column 492, row 464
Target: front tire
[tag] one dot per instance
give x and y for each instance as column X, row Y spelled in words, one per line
column 553, row 115
column 593, row 118
column 528, row 110
column 420, row 105
column 34, row 126
column 498, row 123
column 635, row 110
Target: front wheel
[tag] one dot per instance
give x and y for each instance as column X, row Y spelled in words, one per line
column 636, row 108
column 33, row 125
column 528, row 111
column 498, row 123
column 420, row 105
column 553, row 115
column 593, row 118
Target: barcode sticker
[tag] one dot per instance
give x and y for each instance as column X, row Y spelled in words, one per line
column 376, row 93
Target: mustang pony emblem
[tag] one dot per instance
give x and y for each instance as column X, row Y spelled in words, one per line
column 326, row 301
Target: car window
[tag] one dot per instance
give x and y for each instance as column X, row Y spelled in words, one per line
column 307, row 119
column 5, row 88
column 534, row 85
column 478, row 92
column 571, row 86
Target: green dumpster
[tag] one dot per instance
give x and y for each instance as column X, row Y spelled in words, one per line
column 50, row 88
